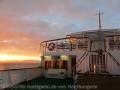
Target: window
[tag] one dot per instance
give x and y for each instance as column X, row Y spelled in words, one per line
column 83, row 43
column 114, row 42
column 48, row 64
column 56, row 64
column 63, row 64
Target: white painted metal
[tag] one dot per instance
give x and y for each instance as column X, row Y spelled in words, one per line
column 12, row 77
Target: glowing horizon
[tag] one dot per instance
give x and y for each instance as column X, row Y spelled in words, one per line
column 10, row 57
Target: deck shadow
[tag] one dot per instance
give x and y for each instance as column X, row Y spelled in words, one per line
column 45, row 84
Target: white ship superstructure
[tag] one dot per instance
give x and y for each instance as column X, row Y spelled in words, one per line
column 92, row 51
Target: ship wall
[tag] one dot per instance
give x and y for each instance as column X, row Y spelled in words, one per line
column 112, row 67
column 13, row 77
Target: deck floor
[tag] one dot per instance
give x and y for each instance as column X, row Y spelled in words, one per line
column 45, row 84
column 99, row 82
column 85, row 83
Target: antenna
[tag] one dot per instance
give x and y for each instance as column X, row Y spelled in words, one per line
column 99, row 15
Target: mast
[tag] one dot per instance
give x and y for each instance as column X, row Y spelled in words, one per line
column 99, row 15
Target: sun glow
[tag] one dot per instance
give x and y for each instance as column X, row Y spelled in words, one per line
column 6, row 57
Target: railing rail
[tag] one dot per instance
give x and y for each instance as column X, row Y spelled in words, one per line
column 11, row 77
column 20, row 69
column 63, row 44
column 114, row 59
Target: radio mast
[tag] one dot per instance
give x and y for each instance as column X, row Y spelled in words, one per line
column 100, row 24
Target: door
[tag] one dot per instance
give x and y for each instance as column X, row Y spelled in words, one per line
column 73, row 64
column 97, row 64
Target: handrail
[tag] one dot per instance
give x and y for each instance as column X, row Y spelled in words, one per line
column 20, row 69
column 84, row 54
column 79, row 62
column 53, row 40
column 114, row 59
column 82, row 59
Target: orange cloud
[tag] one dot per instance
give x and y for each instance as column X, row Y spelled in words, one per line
column 19, row 43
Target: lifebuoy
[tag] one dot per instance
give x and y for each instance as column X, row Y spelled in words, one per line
column 51, row 46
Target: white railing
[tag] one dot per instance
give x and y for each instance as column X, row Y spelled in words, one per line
column 12, row 77
column 62, row 45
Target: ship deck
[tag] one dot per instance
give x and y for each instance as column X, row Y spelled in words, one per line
column 84, row 82
column 98, row 82
column 44, row 84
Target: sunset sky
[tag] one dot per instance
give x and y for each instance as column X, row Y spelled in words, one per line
column 25, row 23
